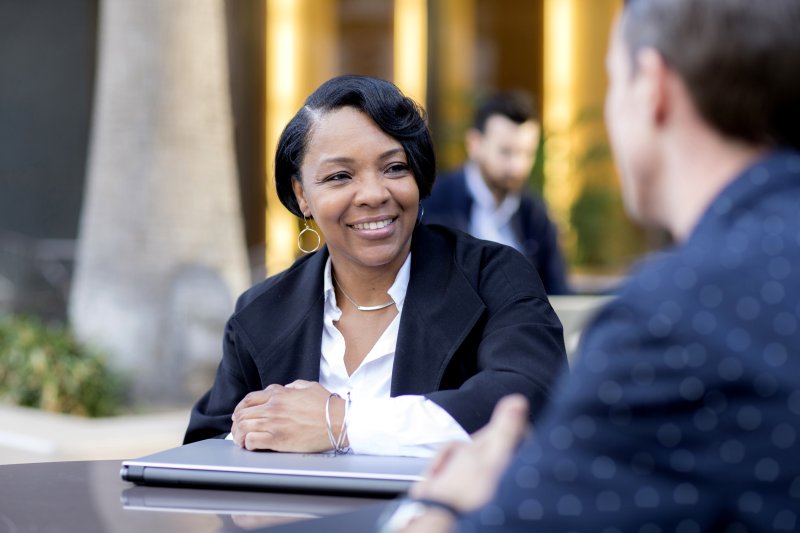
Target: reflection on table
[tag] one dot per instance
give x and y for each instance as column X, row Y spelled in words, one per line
column 246, row 510
column 89, row 496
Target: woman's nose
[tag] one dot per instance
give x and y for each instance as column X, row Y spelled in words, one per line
column 372, row 191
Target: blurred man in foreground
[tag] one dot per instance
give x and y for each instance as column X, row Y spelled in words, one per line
column 489, row 196
column 683, row 411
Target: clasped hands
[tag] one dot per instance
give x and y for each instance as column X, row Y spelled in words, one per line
column 464, row 475
column 287, row 418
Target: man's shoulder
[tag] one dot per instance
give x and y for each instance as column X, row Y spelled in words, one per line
column 488, row 265
column 532, row 205
column 452, row 177
column 465, row 247
column 449, row 203
column 449, row 186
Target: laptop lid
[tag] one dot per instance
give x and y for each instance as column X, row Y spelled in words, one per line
column 222, row 464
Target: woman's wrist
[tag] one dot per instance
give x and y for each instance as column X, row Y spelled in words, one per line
column 337, row 410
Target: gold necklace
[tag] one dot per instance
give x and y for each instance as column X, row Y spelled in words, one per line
column 361, row 307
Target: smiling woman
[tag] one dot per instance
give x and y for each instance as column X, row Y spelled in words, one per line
column 394, row 337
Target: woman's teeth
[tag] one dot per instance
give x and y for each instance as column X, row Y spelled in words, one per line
column 373, row 225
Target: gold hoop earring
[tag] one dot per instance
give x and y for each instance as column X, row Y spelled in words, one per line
column 300, row 237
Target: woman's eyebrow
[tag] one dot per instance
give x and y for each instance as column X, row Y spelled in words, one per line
column 392, row 152
column 338, row 160
column 344, row 160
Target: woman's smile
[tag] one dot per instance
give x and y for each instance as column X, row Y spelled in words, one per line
column 371, row 226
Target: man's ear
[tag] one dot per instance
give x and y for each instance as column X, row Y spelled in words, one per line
column 300, row 196
column 472, row 141
column 653, row 73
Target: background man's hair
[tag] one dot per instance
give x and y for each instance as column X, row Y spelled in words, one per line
column 516, row 105
column 740, row 60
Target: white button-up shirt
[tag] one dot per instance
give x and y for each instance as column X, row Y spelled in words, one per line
column 379, row 424
column 489, row 221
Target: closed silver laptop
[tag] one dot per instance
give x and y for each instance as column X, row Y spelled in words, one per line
column 221, row 463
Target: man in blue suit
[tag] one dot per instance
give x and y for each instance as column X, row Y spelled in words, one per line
column 489, row 196
column 683, row 410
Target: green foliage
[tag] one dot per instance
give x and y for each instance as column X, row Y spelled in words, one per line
column 606, row 238
column 45, row 367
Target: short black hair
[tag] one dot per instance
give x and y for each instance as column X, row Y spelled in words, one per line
column 514, row 104
column 739, row 59
column 395, row 114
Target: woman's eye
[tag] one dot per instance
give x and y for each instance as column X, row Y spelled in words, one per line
column 397, row 168
column 340, row 176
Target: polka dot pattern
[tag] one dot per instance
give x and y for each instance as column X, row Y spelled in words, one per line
column 647, row 497
column 748, row 308
column 682, row 412
column 604, row 467
column 682, row 460
column 775, row 354
column 732, row 451
column 669, row 435
column 767, row 469
column 784, row 436
column 688, row 526
column 750, row 502
column 785, row 520
column 584, row 427
column 749, row 418
column 561, row 438
column 492, row 515
column 527, row 477
column 686, row 494
column 691, row 388
column 608, row 501
column 650, row 528
column 565, row 470
column 569, row 505
column 531, row 509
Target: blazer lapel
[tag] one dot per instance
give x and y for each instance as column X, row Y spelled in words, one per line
column 440, row 310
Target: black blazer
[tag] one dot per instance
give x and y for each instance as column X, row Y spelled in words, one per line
column 450, row 204
column 476, row 325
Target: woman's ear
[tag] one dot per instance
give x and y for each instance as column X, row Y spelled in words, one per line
column 300, row 196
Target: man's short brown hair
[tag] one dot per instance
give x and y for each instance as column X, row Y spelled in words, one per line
column 740, row 60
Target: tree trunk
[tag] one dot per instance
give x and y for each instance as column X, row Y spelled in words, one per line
column 161, row 253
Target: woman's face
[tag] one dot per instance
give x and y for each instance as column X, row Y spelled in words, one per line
column 358, row 187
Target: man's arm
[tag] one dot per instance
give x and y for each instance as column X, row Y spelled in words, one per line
column 463, row 476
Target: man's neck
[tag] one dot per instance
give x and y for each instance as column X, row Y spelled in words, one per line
column 696, row 173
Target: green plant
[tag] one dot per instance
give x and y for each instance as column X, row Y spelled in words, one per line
column 45, row 367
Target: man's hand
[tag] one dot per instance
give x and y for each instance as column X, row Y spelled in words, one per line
column 286, row 419
column 466, row 475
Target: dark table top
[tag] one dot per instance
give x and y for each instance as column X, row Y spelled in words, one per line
column 89, row 496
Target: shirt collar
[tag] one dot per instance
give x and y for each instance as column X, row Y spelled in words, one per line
column 397, row 292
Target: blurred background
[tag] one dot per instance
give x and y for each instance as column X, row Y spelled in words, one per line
column 136, row 142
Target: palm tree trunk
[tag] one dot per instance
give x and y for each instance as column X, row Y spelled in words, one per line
column 161, row 251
